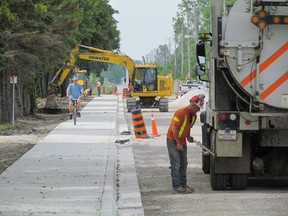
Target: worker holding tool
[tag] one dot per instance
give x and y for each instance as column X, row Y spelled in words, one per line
column 178, row 132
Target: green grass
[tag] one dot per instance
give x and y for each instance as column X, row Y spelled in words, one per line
column 4, row 126
column 9, row 125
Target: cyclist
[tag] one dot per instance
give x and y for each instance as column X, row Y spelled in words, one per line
column 74, row 91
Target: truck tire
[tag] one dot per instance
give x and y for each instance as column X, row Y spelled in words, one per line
column 218, row 181
column 163, row 109
column 163, row 104
column 206, row 143
column 238, row 181
column 131, row 103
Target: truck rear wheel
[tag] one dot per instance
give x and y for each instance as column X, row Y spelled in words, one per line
column 163, row 105
column 238, row 181
column 218, row 181
column 163, row 109
column 131, row 103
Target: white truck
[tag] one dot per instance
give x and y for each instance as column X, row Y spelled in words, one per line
column 245, row 124
column 191, row 85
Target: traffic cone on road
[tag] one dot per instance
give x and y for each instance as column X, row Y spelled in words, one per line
column 138, row 123
column 154, row 127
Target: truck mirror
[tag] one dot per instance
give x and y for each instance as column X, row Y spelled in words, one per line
column 200, row 53
column 200, row 70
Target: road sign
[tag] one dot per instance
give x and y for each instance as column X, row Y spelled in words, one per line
column 13, row 79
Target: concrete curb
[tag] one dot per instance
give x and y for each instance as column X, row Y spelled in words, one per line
column 128, row 193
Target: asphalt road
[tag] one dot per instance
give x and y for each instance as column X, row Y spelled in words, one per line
column 152, row 167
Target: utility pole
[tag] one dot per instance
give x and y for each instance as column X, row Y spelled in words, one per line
column 13, row 81
column 182, row 50
column 175, row 54
column 188, row 53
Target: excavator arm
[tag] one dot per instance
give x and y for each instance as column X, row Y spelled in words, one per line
column 94, row 54
column 62, row 73
column 58, row 79
column 106, row 56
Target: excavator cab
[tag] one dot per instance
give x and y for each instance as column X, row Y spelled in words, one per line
column 145, row 79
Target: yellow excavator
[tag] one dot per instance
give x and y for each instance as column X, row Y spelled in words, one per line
column 147, row 88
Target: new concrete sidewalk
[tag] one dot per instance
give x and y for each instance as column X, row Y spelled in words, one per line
column 76, row 170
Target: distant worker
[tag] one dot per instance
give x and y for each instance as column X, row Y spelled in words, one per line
column 178, row 131
column 130, row 87
column 98, row 85
column 138, row 85
column 88, row 85
column 74, row 91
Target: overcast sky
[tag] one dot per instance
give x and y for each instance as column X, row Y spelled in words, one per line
column 144, row 24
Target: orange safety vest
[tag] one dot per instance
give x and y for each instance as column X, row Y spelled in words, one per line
column 184, row 121
column 98, row 84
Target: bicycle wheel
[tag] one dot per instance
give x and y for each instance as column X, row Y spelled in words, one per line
column 74, row 114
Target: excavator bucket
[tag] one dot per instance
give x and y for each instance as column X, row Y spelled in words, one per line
column 51, row 102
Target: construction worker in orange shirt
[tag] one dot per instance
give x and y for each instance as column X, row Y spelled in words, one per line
column 178, row 132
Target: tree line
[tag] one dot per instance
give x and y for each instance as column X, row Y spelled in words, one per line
column 178, row 56
column 36, row 37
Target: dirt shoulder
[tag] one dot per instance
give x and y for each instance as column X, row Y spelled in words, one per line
column 16, row 141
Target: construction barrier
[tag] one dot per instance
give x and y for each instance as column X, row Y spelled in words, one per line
column 125, row 93
column 154, row 127
column 138, row 123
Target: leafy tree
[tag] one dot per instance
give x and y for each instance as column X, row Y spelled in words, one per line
column 115, row 73
column 191, row 18
column 162, row 55
column 36, row 37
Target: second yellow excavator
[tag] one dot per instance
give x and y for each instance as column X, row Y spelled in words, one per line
column 148, row 89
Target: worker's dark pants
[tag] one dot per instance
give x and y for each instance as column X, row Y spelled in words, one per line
column 99, row 90
column 178, row 162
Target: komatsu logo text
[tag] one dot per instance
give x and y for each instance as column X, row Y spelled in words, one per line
column 99, row 58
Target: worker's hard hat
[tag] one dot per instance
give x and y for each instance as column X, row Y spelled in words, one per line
column 75, row 78
column 198, row 100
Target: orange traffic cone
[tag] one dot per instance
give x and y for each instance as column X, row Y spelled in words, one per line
column 138, row 123
column 116, row 91
column 154, row 127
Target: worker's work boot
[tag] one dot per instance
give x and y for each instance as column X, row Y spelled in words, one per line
column 188, row 189
column 178, row 190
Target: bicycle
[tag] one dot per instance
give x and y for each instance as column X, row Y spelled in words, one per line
column 74, row 110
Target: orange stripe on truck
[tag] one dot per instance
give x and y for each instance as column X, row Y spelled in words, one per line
column 274, row 86
column 265, row 64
